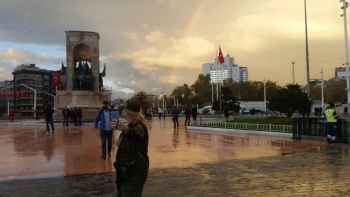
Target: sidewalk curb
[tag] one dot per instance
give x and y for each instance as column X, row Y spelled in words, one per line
column 49, row 175
column 210, row 129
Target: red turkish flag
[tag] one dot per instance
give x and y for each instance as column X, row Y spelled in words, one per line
column 55, row 80
column 221, row 57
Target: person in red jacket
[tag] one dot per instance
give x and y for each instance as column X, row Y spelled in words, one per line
column 12, row 115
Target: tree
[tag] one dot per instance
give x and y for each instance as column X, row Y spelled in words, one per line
column 289, row 99
column 141, row 98
column 182, row 93
column 227, row 99
column 201, row 90
column 252, row 90
column 336, row 92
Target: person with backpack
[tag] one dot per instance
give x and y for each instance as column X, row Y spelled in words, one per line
column 175, row 113
column 132, row 161
column 104, row 118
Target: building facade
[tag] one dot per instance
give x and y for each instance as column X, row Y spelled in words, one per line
column 227, row 70
column 6, row 100
column 37, row 79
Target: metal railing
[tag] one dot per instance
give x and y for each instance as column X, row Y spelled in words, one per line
column 244, row 126
column 318, row 127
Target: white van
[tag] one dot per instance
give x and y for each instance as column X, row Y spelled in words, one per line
column 243, row 110
column 207, row 110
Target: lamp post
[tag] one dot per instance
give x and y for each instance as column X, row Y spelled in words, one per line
column 293, row 62
column 54, row 99
column 344, row 7
column 239, row 93
column 34, row 94
column 265, row 97
column 322, row 90
column 307, row 55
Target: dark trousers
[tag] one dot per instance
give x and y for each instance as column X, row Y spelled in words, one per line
column 37, row 117
column 332, row 128
column 49, row 121
column 187, row 120
column 106, row 136
column 79, row 121
column 130, row 190
column 176, row 121
column 194, row 117
column 65, row 120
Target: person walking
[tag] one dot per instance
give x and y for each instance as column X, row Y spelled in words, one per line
column 194, row 114
column 175, row 113
column 65, row 114
column 104, row 118
column 36, row 114
column 226, row 112
column 12, row 115
column 188, row 113
column 331, row 117
column 79, row 116
column 132, row 161
column 160, row 112
column 48, row 111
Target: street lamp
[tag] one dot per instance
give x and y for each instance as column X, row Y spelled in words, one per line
column 54, row 100
column 344, row 7
column 34, row 94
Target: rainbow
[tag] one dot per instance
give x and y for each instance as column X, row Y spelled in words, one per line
column 186, row 33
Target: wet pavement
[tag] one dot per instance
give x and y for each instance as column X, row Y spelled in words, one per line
column 182, row 163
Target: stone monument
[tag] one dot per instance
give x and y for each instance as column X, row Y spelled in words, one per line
column 81, row 82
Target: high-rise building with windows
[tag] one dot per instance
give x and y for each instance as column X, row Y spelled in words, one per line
column 37, row 79
column 227, row 70
column 6, row 100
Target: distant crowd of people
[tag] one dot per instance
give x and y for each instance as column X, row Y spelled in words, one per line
column 72, row 116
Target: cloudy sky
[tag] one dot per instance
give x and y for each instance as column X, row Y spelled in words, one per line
column 149, row 45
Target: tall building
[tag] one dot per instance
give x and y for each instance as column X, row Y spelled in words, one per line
column 37, row 79
column 340, row 72
column 6, row 100
column 227, row 70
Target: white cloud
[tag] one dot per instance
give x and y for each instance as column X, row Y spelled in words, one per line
column 131, row 36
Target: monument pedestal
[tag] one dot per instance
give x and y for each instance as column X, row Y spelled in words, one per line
column 90, row 102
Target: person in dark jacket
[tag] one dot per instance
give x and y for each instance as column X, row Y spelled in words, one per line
column 175, row 113
column 65, row 114
column 75, row 116
column 194, row 114
column 79, row 116
column 48, row 111
column 188, row 112
column 132, row 162
column 104, row 118
column 226, row 112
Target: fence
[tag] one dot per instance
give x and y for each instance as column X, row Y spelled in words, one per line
column 245, row 126
column 317, row 127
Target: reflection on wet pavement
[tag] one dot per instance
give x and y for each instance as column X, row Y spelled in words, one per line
column 77, row 150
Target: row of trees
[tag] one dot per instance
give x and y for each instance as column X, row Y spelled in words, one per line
column 288, row 98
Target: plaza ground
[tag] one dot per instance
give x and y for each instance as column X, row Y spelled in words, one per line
column 183, row 162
